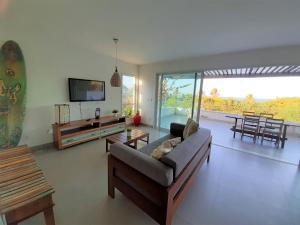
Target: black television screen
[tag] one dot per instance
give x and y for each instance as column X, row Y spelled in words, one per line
column 86, row 90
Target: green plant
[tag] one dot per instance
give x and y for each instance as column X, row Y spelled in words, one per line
column 127, row 111
column 287, row 108
column 129, row 129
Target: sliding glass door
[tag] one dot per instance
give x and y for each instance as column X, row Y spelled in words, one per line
column 178, row 98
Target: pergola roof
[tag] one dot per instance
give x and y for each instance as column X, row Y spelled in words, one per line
column 262, row 71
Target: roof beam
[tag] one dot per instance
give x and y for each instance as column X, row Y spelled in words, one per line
column 262, row 71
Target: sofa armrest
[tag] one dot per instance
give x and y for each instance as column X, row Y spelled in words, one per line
column 176, row 129
column 143, row 163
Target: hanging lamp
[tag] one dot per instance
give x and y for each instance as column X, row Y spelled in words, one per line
column 115, row 80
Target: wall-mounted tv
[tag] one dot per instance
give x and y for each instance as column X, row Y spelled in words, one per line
column 81, row 90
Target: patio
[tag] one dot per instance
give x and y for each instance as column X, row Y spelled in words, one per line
column 223, row 136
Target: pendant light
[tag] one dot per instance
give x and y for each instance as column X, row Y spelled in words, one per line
column 115, row 80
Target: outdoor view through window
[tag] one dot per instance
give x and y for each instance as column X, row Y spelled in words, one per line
column 128, row 95
column 277, row 95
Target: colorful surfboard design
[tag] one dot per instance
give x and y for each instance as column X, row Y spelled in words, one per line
column 12, row 94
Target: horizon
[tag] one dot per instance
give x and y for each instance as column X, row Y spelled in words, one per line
column 260, row 88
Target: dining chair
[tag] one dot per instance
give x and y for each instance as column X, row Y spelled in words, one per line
column 248, row 113
column 250, row 126
column 263, row 118
column 272, row 130
column 266, row 115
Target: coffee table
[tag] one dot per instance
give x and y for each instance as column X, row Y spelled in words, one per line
column 136, row 135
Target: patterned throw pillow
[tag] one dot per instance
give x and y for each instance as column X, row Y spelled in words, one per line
column 165, row 148
column 185, row 130
column 191, row 127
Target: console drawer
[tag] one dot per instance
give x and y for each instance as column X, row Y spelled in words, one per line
column 80, row 138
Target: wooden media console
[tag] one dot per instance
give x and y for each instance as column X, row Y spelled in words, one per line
column 80, row 131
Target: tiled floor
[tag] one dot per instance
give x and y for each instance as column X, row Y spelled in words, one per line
column 223, row 136
column 234, row 188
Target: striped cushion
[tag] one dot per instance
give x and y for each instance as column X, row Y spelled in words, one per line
column 21, row 180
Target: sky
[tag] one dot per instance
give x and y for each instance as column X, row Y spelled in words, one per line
column 262, row 88
column 128, row 81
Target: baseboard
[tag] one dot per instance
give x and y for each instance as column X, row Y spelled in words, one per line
column 147, row 125
column 42, row 146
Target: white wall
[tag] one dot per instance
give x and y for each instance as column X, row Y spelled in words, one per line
column 48, row 67
column 147, row 73
column 49, row 63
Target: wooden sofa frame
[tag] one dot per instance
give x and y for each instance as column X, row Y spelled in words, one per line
column 161, row 202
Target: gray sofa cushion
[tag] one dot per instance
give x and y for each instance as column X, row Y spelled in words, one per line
column 182, row 154
column 148, row 149
column 145, row 164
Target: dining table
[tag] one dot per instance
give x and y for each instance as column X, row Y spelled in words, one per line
column 283, row 138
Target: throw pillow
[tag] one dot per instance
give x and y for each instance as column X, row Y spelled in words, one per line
column 185, row 130
column 193, row 127
column 190, row 128
column 165, row 148
column 172, row 142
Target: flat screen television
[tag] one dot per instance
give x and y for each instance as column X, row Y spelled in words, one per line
column 81, row 90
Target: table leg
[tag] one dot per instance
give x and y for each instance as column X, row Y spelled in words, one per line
column 106, row 145
column 283, row 136
column 135, row 144
column 148, row 139
column 235, row 124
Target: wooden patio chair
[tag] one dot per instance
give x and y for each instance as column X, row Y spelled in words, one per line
column 248, row 113
column 263, row 118
column 250, row 126
column 272, row 130
column 267, row 115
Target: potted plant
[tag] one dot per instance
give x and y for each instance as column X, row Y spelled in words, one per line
column 128, row 115
column 129, row 129
column 115, row 112
column 137, row 119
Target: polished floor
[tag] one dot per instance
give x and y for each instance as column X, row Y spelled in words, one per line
column 235, row 188
column 223, row 136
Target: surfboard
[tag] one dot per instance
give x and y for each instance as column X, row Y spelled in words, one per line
column 12, row 94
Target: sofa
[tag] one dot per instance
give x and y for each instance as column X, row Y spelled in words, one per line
column 158, row 186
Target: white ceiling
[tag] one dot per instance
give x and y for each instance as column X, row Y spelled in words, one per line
column 158, row 30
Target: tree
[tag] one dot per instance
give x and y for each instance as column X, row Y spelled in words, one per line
column 169, row 89
column 214, row 93
column 187, row 101
column 249, row 100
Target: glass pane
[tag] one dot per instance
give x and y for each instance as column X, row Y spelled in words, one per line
column 176, row 98
column 128, row 95
column 281, row 97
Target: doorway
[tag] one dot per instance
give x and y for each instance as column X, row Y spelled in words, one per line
column 179, row 97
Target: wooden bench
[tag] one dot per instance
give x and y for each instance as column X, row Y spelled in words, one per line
column 24, row 191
